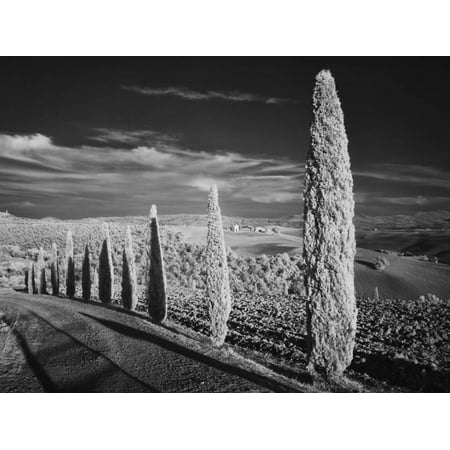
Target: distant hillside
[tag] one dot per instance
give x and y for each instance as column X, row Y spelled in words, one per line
column 421, row 220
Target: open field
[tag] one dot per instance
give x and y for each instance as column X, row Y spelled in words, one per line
column 418, row 242
column 405, row 277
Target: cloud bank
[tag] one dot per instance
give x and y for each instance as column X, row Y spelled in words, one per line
column 113, row 179
column 124, row 171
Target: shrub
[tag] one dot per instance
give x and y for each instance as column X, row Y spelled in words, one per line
column 86, row 275
column 329, row 236
column 129, row 288
column 431, row 299
column 70, row 267
column 381, row 262
column 156, row 278
column 217, row 279
column 105, row 269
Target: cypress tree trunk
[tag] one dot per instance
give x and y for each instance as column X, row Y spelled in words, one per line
column 105, row 269
column 54, row 271
column 156, row 278
column 217, row 278
column 86, row 275
column 70, row 267
column 129, row 284
column 329, row 236
column 42, row 286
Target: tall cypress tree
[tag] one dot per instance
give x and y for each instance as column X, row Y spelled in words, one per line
column 105, row 269
column 129, row 284
column 70, row 266
column 95, row 284
column 217, row 278
column 329, row 236
column 42, row 289
column 54, row 270
column 86, row 275
column 32, row 278
column 27, row 277
column 156, row 278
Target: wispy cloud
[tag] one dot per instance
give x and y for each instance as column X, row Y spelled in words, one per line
column 190, row 94
column 115, row 179
column 130, row 137
column 380, row 198
column 125, row 170
column 407, row 173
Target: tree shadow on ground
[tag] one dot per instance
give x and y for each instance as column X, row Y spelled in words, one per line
column 403, row 373
column 33, row 363
column 87, row 382
column 192, row 354
column 368, row 264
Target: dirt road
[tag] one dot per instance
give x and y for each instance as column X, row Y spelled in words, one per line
column 62, row 345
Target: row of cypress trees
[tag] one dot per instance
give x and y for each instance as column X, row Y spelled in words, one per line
column 328, row 250
column 35, row 276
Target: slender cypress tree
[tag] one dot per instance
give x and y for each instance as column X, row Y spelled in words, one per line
column 41, row 273
column 217, row 278
column 86, row 275
column 27, row 277
column 329, row 236
column 70, row 267
column 105, row 269
column 376, row 294
column 32, row 278
column 156, row 278
column 54, row 270
column 129, row 284
column 95, row 284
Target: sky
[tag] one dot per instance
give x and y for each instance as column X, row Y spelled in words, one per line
column 89, row 137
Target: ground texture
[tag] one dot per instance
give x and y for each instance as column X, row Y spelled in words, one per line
column 400, row 344
column 61, row 345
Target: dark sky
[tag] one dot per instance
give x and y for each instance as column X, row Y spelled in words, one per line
column 86, row 137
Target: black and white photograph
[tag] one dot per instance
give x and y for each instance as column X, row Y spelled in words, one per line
column 231, row 221
column 165, row 228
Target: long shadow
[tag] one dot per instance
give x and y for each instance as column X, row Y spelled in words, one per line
column 403, row 373
column 137, row 314
column 368, row 264
column 101, row 355
column 145, row 336
column 34, row 364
